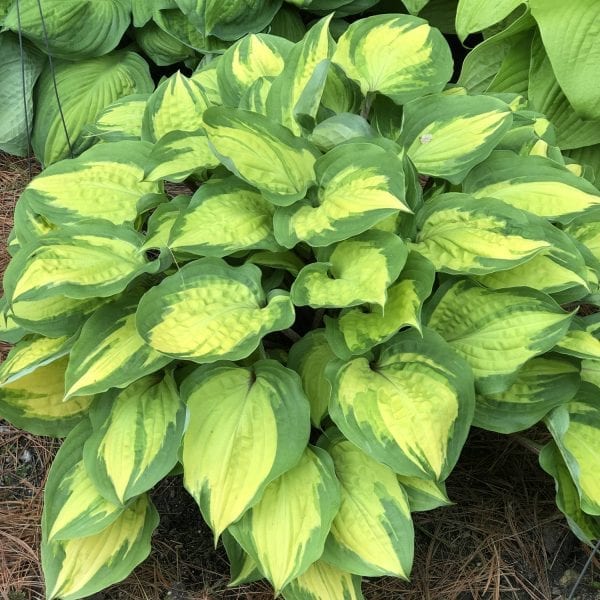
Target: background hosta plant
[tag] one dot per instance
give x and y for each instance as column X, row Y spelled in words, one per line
column 367, row 261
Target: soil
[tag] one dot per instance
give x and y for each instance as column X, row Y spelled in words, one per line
column 503, row 539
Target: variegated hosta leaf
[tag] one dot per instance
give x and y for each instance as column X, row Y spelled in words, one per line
column 242, row 568
column 255, row 97
column 28, row 225
column 561, row 269
column 10, row 331
column 399, row 56
column 532, row 183
column 30, row 354
column 79, row 567
column 87, row 260
column 261, row 152
column 109, row 352
column 355, row 271
column 339, row 129
column 411, row 409
column 360, row 183
column 73, row 505
column 542, row 383
column 177, row 104
column 35, row 401
column 224, row 216
column 575, row 427
column 296, row 93
column 209, row 310
column 580, row 341
column 322, row 581
column 179, row 154
column 300, row 506
column 250, row 59
column 586, row 527
column 445, row 136
column 340, row 95
column 54, row 316
column 285, row 260
column 162, row 220
column 136, row 437
column 355, row 331
column 71, row 29
column 372, row 534
column 247, row 427
column 424, row 494
column 85, row 88
column 207, row 78
column 586, row 229
column 229, row 20
column 309, row 358
column 497, row 331
column 121, row 120
column 106, row 182
column 461, row 234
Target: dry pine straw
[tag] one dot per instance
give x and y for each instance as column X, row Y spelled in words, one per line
column 503, row 539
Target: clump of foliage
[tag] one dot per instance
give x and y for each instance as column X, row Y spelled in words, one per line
column 371, row 262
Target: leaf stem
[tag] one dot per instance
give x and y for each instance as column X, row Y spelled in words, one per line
column 365, row 107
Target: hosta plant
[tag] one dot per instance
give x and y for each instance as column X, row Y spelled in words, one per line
column 360, row 262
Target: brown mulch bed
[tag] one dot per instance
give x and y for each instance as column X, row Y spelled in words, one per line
column 503, row 539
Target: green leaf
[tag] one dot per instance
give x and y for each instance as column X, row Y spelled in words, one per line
column 542, row 383
column 570, row 35
column 355, row 271
column 209, row 311
column 121, row 120
column 223, row 217
column 296, row 92
column 105, row 182
column 445, row 136
column 586, row 527
column 242, row 567
column 399, row 56
column 359, row 184
column 179, row 154
column 546, row 96
column 109, row 352
column 14, row 122
column 477, row 15
column 79, row 567
column 372, row 534
column 300, row 505
column 532, row 183
column 246, row 428
column 424, row 494
column 73, row 506
column 309, row 358
column 87, row 260
column 162, row 48
column 321, row 581
column 31, row 353
column 85, row 89
column 161, row 222
column 35, row 401
column 497, row 331
column 71, row 29
column 460, row 234
column 229, row 20
column 249, row 59
column 136, row 437
column 575, row 427
column 177, row 104
column 411, row 408
column 339, row 129
column 357, row 330
column 265, row 154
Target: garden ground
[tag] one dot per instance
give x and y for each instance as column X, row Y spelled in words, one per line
column 504, row 540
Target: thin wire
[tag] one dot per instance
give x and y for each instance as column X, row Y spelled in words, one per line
column 24, row 90
column 584, row 570
column 53, row 73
